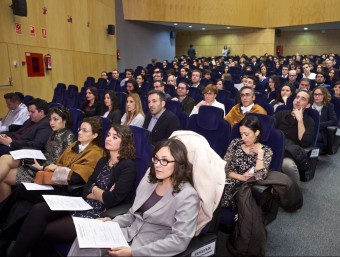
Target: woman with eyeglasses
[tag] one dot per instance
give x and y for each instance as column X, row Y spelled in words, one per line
column 16, row 171
column 74, row 167
column 110, row 184
column 210, row 93
column 321, row 103
column 162, row 219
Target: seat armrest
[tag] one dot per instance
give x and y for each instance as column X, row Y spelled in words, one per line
column 118, row 210
column 312, row 151
column 75, row 190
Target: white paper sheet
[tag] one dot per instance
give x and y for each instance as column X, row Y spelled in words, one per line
column 94, row 233
column 238, row 86
column 27, row 153
column 33, row 186
column 66, row 203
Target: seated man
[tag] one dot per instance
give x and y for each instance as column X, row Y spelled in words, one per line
column 16, row 115
column 34, row 132
column 298, row 128
column 159, row 86
column 196, row 76
column 304, row 84
column 159, row 121
column 188, row 103
column 237, row 113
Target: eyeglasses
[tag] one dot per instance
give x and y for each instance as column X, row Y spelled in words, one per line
column 163, row 162
column 84, row 130
column 315, row 94
column 208, row 93
column 292, row 75
column 181, row 88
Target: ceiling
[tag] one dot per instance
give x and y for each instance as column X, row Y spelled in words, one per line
column 200, row 27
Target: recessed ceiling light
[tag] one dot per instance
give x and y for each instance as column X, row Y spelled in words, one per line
column 190, row 26
column 305, row 28
column 228, row 27
column 175, row 24
column 203, row 28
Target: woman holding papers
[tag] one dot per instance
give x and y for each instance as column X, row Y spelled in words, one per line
column 16, row 171
column 110, row 184
column 162, row 220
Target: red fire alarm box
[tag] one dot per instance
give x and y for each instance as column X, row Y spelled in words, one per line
column 35, row 65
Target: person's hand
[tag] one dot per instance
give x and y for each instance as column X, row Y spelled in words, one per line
column 201, row 103
column 174, row 99
column 245, row 176
column 51, row 167
column 284, row 98
column 255, row 149
column 5, row 140
column 104, row 219
column 120, row 251
column 37, row 165
column 298, row 114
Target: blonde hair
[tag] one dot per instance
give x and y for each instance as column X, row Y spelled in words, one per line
column 139, row 110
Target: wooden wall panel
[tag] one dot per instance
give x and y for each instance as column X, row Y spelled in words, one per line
column 208, row 43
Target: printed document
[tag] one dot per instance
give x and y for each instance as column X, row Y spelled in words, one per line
column 66, row 203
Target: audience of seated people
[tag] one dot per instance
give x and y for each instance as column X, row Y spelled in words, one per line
column 295, row 124
column 134, row 114
column 111, row 184
column 13, row 172
column 17, row 113
column 210, row 93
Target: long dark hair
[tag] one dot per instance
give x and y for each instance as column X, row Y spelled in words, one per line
column 183, row 168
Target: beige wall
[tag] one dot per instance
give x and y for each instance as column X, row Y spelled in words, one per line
column 210, row 43
column 310, row 42
column 77, row 50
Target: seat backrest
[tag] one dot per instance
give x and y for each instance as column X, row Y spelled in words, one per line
column 209, row 123
column 143, row 151
column 145, row 88
column 59, row 93
column 170, row 89
column 122, row 100
column 222, row 95
column 27, row 99
column 101, row 83
column 89, row 82
column 176, row 108
column 314, row 114
column 196, row 94
column 106, row 125
column 336, row 102
column 77, row 117
column 71, row 97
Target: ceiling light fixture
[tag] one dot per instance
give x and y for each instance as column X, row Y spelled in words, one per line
column 190, row 26
column 305, row 28
column 203, row 28
column 228, row 27
column 175, row 24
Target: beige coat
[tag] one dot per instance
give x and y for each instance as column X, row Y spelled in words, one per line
column 208, row 173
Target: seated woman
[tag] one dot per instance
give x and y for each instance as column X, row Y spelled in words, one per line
column 134, row 112
column 273, row 84
column 246, row 157
column 172, row 80
column 92, row 106
column 286, row 91
column 132, row 87
column 336, row 88
column 210, row 93
column 110, row 184
column 163, row 216
column 16, row 171
column 321, row 103
column 111, row 109
column 75, row 166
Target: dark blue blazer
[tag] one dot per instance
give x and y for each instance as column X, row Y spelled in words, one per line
column 165, row 125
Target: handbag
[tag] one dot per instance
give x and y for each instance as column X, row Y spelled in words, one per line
column 43, row 177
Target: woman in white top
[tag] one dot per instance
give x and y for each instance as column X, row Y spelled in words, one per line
column 134, row 114
column 210, row 93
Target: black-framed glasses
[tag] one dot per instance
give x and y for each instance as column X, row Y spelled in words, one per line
column 163, row 162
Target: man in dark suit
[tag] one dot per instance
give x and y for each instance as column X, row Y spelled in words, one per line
column 159, row 121
column 188, row 103
column 34, row 132
column 196, row 76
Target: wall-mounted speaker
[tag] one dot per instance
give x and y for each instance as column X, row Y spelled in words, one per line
column 19, row 7
column 278, row 32
column 172, row 34
column 111, row 29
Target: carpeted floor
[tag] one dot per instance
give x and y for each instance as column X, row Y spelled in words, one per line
column 314, row 230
